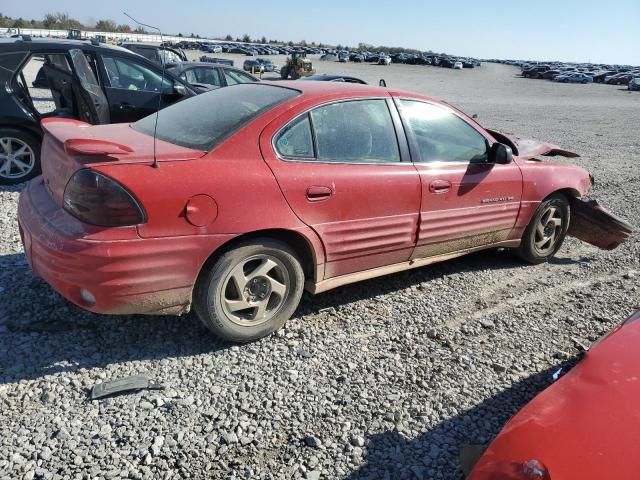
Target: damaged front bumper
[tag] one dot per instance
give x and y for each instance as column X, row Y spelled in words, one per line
column 591, row 223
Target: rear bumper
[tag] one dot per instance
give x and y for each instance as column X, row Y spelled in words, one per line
column 125, row 276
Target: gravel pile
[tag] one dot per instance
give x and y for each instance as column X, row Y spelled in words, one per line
column 383, row 379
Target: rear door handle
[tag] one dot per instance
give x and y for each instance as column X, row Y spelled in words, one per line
column 318, row 193
column 440, row 186
column 126, row 106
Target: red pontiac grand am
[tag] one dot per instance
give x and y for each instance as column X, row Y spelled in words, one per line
column 254, row 192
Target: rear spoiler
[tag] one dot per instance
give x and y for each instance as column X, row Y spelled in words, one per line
column 76, row 142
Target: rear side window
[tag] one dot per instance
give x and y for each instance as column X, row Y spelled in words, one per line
column 295, row 140
column 234, row 77
column 355, row 131
column 442, row 136
column 204, row 121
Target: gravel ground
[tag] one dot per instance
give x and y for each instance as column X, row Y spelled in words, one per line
column 383, row 379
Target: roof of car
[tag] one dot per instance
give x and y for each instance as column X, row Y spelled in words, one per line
column 19, row 44
column 329, row 78
column 345, row 89
column 183, row 65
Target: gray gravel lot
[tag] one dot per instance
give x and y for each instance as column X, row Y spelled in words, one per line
column 383, row 379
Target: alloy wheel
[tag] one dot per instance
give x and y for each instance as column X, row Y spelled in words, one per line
column 548, row 230
column 17, row 158
column 255, row 290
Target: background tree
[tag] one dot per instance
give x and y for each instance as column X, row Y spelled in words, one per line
column 106, row 26
column 60, row 21
column 229, row 38
column 263, row 39
column 246, row 38
column 124, row 28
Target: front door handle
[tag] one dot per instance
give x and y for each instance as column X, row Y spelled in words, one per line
column 318, row 193
column 126, row 106
column 440, row 186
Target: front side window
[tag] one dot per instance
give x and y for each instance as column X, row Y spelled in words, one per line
column 130, row 75
column 355, row 131
column 442, row 136
column 207, row 76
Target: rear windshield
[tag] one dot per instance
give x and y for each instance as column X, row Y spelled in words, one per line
column 204, row 121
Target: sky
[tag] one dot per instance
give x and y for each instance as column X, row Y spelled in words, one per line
column 564, row 30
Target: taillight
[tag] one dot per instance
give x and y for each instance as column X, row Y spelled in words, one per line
column 99, row 200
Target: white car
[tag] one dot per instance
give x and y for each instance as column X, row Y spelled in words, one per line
column 457, row 66
column 384, row 60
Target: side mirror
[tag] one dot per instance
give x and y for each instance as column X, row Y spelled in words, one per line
column 501, row 154
column 382, row 83
column 179, row 89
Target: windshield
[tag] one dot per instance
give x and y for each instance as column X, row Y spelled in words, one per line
column 204, row 121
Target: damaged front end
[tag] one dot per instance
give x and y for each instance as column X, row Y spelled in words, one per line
column 590, row 222
column 593, row 224
column 527, row 149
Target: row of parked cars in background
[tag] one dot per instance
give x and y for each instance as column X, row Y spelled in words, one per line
column 248, row 49
column 383, row 58
column 329, row 54
column 580, row 73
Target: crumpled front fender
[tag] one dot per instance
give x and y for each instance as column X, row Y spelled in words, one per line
column 591, row 223
column 527, row 148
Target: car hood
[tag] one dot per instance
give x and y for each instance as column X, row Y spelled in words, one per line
column 527, row 148
column 583, row 426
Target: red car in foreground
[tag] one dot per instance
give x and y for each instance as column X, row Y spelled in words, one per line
column 254, row 192
column 585, row 426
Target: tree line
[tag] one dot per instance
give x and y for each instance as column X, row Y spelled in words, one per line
column 63, row 21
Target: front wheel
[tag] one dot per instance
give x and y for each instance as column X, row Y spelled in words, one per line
column 284, row 73
column 251, row 291
column 19, row 156
column 545, row 233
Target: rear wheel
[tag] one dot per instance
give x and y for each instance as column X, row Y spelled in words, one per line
column 251, row 291
column 19, row 156
column 295, row 75
column 545, row 233
column 284, row 73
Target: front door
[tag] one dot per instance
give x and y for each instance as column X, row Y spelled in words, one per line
column 133, row 88
column 341, row 170
column 467, row 201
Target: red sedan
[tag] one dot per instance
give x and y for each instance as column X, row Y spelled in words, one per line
column 585, row 426
column 254, row 192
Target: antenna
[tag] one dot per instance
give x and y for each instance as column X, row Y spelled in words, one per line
column 155, row 126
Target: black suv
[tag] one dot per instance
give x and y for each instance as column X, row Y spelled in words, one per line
column 85, row 80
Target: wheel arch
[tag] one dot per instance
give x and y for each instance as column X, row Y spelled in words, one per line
column 567, row 192
column 302, row 246
column 35, row 131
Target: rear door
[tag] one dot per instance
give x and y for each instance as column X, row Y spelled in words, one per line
column 344, row 173
column 467, row 202
column 92, row 104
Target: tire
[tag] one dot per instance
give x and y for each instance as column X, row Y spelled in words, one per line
column 259, row 277
column 19, row 156
column 294, row 75
column 543, row 226
column 284, row 73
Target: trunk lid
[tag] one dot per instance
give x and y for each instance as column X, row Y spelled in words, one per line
column 527, row 148
column 69, row 145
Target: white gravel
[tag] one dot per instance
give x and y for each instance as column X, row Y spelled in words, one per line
column 384, row 379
